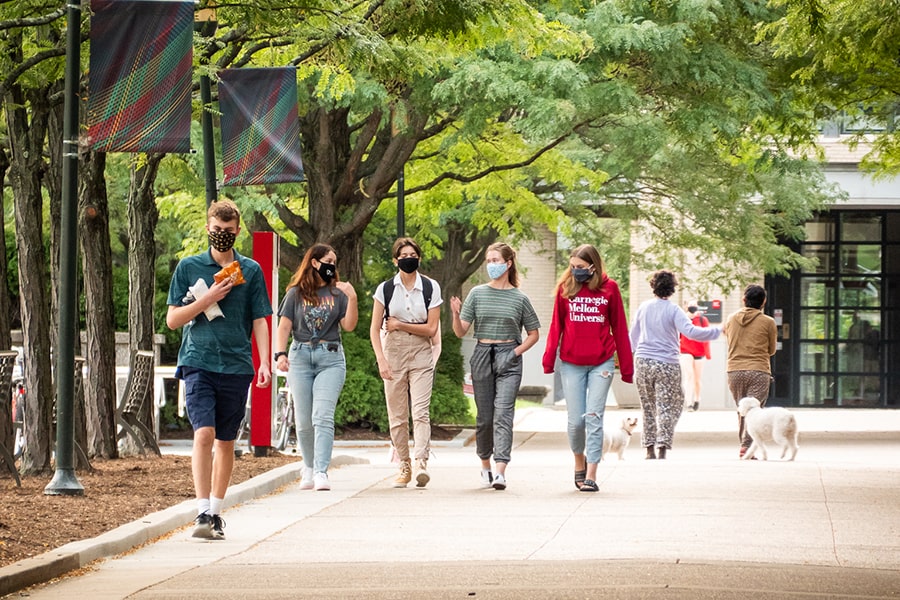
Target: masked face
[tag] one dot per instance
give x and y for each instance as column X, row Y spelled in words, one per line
column 221, row 240
column 408, row 264
column 496, row 270
column 327, row 272
column 581, row 275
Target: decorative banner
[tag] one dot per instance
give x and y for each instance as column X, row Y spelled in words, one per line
column 260, row 127
column 139, row 84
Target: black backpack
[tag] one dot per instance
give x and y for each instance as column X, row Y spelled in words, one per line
column 388, row 289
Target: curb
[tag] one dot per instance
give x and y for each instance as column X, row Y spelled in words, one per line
column 74, row 555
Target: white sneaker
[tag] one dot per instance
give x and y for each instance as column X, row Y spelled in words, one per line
column 486, row 478
column 306, row 481
column 320, row 481
column 499, row 482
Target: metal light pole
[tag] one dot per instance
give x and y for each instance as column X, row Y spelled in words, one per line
column 401, row 204
column 64, row 482
column 205, row 24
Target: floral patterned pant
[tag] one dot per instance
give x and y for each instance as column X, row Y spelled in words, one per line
column 748, row 383
column 662, row 400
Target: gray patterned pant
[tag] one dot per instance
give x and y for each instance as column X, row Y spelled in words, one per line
column 662, row 400
column 496, row 376
column 748, row 383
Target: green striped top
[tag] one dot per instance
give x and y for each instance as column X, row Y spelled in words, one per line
column 499, row 314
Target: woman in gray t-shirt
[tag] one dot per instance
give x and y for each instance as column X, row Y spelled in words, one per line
column 316, row 307
column 500, row 311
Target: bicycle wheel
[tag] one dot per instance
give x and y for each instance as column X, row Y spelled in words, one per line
column 282, row 420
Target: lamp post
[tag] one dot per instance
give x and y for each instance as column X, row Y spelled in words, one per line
column 64, row 482
column 205, row 24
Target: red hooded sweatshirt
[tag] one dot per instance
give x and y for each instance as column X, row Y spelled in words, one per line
column 589, row 328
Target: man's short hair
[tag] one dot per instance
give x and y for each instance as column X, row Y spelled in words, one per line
column 224, row 210
column 754, row 296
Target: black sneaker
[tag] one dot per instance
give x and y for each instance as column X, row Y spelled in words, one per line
column 203, row 526
column 218, row 528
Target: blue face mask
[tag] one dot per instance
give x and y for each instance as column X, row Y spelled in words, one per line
column 496, row 270
column 581, row 275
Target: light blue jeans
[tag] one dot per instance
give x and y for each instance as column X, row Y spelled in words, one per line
column 316, row 377
column 586, row 388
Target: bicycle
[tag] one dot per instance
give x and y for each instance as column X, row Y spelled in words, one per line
column 284, row 431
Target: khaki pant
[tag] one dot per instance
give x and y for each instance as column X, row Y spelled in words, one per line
column 410, row 359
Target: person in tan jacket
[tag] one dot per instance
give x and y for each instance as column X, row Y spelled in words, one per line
column 751, row 336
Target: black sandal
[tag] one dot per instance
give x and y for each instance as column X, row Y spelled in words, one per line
column 589, row 485
column 579, row 478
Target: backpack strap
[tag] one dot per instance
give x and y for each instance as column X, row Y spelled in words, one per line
column 388, row 291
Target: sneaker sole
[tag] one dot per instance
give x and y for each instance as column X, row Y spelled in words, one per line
column 306, row 485
column 499, row 485
column 422, row 480
column 400, row 485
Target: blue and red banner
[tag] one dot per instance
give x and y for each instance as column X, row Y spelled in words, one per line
column 139, row 84
column 260, row 127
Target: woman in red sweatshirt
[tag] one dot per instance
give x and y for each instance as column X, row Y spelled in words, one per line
column 588, row 329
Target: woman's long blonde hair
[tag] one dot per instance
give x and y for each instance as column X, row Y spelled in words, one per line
column 567, row 284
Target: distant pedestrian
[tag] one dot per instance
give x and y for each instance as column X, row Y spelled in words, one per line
column 217, row 315
column 654, row 337
column 405, row 318
column 499, row 311
column 694, row 353
column 316, row 307
column 752, row 337
column 589, row 329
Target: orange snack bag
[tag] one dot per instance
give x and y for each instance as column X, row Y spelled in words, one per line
column 233, row 272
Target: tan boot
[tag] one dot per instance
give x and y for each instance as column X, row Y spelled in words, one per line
column 422, row 477
column 404, row 476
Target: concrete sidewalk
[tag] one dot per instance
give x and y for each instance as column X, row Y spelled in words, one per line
column 701, row 524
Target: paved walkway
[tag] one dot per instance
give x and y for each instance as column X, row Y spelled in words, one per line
column 700, row 524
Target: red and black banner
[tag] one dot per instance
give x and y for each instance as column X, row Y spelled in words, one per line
column 260, row 127
column 139, row 84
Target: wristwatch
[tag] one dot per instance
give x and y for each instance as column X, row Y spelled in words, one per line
column 278, row 355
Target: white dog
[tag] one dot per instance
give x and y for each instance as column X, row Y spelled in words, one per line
column 773, row 424
column 617, row 440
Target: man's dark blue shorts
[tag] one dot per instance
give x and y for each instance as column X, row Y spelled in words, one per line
column 215, row 400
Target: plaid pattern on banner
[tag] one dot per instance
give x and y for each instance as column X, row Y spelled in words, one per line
column 139, row 84
column 260, row 127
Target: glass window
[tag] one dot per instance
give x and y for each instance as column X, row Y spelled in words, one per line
column 857, row 228
column 817, row 324
column 824, row 255
column 820, row 230
column 817, row 357
column 861, row 258
column 816, row 390
column 817, row 291
column 860, row 291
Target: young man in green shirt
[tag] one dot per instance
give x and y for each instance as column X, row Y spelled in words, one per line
column 215, row 360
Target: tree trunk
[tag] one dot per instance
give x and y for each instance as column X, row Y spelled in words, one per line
column 6, row 429
column 100, row 384
column 142, row 218
column 26, row 141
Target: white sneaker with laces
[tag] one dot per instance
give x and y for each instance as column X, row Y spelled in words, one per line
column 306, row 481
column 486, row 478
column 320, row 481
column 499, row 482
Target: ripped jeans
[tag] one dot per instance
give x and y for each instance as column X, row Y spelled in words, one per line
column 585, row 388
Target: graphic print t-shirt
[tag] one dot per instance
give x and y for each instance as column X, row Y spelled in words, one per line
column 319, row 322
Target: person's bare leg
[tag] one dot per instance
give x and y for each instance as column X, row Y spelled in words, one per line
column 202, row 461
column 222, row 465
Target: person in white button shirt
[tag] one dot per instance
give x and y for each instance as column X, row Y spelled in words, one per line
column 406, row 356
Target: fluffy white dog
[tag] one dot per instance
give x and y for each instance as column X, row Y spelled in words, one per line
column 617, row 440
column 773, row 424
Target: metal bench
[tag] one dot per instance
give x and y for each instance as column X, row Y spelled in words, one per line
column 137, row 391
column 7, row 362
